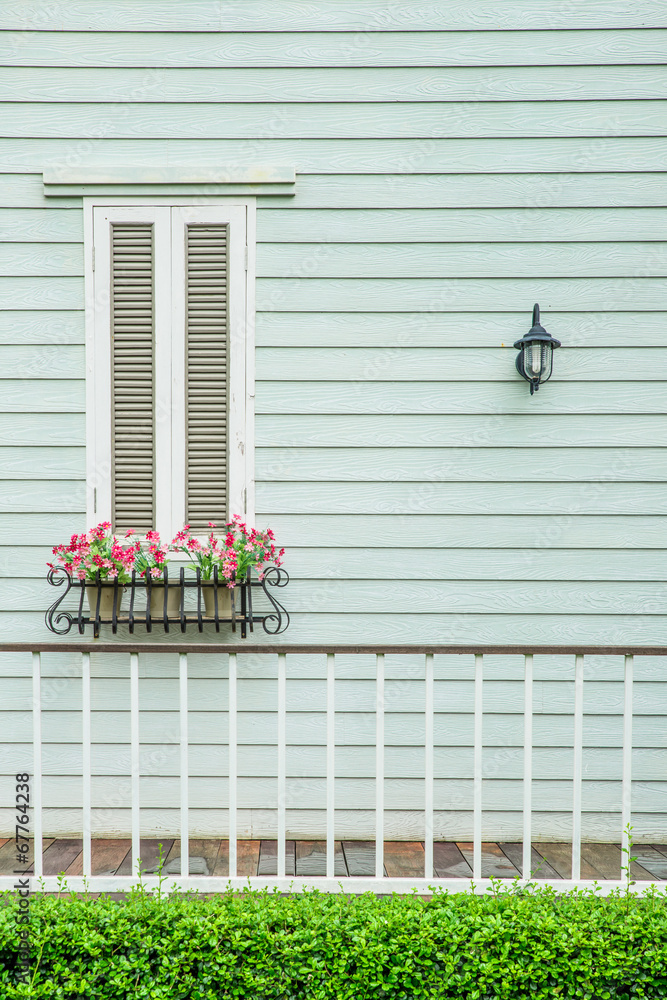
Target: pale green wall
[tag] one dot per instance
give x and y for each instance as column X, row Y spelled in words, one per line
column 453, row 167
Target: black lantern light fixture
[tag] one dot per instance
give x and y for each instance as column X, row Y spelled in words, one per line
column 535, row 358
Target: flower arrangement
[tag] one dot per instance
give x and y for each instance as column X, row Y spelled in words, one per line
column 234, row 554
column 97, row 551
column 154, row 558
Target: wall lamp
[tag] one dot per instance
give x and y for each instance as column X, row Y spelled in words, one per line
column 535, row 358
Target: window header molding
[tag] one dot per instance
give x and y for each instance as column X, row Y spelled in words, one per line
column 254, row 179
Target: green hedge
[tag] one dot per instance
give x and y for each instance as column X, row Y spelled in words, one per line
column 260, row 945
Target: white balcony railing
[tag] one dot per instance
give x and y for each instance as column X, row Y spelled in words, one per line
column 328, row 881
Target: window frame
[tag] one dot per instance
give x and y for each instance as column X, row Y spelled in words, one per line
column 169, row 216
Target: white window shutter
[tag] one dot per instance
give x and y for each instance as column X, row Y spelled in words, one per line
column 132, row 372
column 206, row 374
column 167, row 420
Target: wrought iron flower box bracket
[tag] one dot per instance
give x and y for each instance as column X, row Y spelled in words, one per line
column 139, row 594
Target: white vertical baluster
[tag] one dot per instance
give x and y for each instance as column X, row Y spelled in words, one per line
column 379, row 767
column 626, row 815
column 86, row 767
column 477, row 771
column 578, row 765
column 527, row 766
column 331, row 751
column 185, row 833
column 36, row 790
column 232, row 746
column 134, row 760
column 282, row 781
column 428, row 767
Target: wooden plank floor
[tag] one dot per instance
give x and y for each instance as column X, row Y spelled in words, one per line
column 352, row 857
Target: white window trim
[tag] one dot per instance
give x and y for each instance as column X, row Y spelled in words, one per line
column 169, row 313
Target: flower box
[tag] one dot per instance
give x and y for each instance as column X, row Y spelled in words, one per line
column 128, row 583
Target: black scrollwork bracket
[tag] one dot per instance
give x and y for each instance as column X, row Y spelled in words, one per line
column 278, row 621
column 54, row 618
column 60, row 621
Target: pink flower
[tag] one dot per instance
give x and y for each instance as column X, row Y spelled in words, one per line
column 156, row 571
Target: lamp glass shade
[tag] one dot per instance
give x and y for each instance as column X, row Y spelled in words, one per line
column 538, row 360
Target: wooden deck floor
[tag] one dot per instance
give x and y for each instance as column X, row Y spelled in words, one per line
column 304, row 858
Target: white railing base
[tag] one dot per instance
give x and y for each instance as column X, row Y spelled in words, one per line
column 351, row 885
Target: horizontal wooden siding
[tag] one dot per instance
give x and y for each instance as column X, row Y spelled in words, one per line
column 450, row 172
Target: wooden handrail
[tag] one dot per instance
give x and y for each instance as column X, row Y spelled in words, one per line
column 101, row 646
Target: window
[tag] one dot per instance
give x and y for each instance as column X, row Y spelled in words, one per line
column 167, row 395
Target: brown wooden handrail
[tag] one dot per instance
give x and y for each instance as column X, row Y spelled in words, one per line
column 228, row 647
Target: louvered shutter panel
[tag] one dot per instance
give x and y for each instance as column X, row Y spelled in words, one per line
column 132, row 331
column 206, row 374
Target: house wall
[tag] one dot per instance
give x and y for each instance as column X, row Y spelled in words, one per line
column 453, row 168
